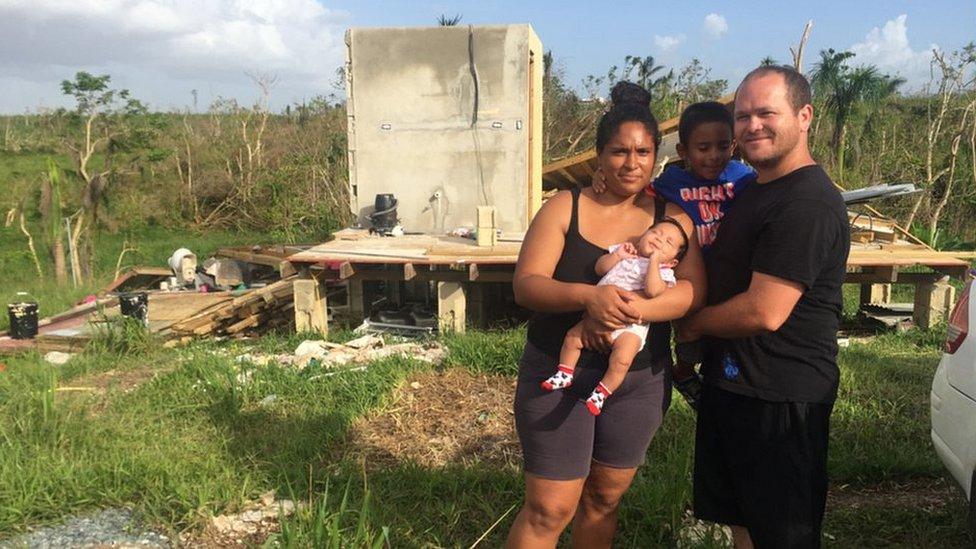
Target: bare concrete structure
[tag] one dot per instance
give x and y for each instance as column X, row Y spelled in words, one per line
column 447, row 119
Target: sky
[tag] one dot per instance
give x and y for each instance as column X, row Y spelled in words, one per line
column 163, row 50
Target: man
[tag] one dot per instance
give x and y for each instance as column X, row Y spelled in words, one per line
column 770, row 327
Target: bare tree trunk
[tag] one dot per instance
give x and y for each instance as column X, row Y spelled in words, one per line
column 953, row 157
column 798, row 52
column 57, row 253
column 30, row 245
column 937, row 212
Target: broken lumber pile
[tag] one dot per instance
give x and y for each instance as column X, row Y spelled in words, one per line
column 259, row 307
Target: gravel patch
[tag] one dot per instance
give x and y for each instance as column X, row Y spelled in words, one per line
column 106, row 528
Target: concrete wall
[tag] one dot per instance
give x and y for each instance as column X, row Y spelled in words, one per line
column 414, row 129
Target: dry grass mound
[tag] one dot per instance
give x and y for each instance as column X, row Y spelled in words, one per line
column 443, row 418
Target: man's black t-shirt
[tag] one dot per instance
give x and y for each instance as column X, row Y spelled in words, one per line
column 794, row 228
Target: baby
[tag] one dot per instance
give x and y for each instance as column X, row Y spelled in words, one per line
column 645, row 266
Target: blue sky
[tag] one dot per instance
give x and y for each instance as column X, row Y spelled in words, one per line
column 162, row 49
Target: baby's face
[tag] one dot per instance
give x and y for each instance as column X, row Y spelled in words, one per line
column 664, row 238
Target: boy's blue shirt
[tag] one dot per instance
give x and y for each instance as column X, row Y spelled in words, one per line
column 705, row 201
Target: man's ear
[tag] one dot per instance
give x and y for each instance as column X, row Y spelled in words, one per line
column 681, row 150
column 806, row 117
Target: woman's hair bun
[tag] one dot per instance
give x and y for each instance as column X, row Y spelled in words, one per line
column 627, row 92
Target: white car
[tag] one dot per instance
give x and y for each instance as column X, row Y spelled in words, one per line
column 954, row 397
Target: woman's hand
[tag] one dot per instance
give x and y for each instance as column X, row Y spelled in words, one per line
column 596, row 336
column 610, row 306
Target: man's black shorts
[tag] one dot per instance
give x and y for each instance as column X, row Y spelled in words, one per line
column 762, row 465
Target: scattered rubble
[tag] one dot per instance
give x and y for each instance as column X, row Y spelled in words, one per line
column 358, row 351
column 698, row 533
column 58, row 358
column 251, row 526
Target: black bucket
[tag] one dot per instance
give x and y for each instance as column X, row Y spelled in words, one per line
column 23, row 319
column 135, row 305
column 384, row 216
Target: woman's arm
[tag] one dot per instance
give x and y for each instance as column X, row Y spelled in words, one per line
column 534, row 286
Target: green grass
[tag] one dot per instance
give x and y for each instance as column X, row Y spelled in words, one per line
column 195, row 440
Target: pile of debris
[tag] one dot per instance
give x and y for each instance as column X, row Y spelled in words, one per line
column 251, row 526
column 259, row 307
column 237, row 292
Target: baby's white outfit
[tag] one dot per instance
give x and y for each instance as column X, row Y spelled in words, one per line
column 630, row 274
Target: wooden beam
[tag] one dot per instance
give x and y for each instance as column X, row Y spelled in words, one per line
column 286, row 269
column 588, row 170
column 451, row 306
column 310, row 307
column 569, row 176
column 872, row 278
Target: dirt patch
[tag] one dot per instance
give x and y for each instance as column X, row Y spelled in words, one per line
column 440, row 418
column 916, row 493
column 98, row 386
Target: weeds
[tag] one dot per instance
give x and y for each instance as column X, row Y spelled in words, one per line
column 202, row 437
column 323, row 523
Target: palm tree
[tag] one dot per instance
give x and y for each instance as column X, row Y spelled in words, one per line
column 845, row 91
column 646, row 70
column 446, row 21
column 767, row 61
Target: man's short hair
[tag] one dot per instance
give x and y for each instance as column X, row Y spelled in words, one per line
column 797, row 85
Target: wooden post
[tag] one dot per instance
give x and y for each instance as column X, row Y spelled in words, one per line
column 478, row 298
column 355, row 300
column 310, row 307
column 933, row 301
column 878, row 294
column 451, row 306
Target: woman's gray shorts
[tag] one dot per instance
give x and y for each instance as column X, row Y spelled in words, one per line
column 560, row 437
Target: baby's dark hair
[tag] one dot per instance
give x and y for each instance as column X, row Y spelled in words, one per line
column 629, row 103
column 683, row 249
column 702, row 113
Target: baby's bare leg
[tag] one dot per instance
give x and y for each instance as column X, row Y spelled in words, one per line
column 572, row 346
column 568, row 357
column 625, row 348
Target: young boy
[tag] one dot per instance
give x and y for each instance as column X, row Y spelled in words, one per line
column 647, row 266
column 705, row 188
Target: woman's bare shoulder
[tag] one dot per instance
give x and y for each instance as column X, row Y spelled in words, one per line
column 557, row 206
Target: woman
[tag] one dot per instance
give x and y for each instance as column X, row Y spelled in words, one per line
column 578, row 466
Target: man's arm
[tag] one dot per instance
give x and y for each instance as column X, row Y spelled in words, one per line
column 763, row 307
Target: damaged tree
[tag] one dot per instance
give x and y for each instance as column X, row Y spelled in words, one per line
column 103, row 114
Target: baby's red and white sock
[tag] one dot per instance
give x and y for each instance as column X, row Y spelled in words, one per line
column 598, row 398
column 560, row 380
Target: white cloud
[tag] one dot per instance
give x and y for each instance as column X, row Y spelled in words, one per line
column 199, row 42
column 714, row 26
column 668, row 43
column 888, row 49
